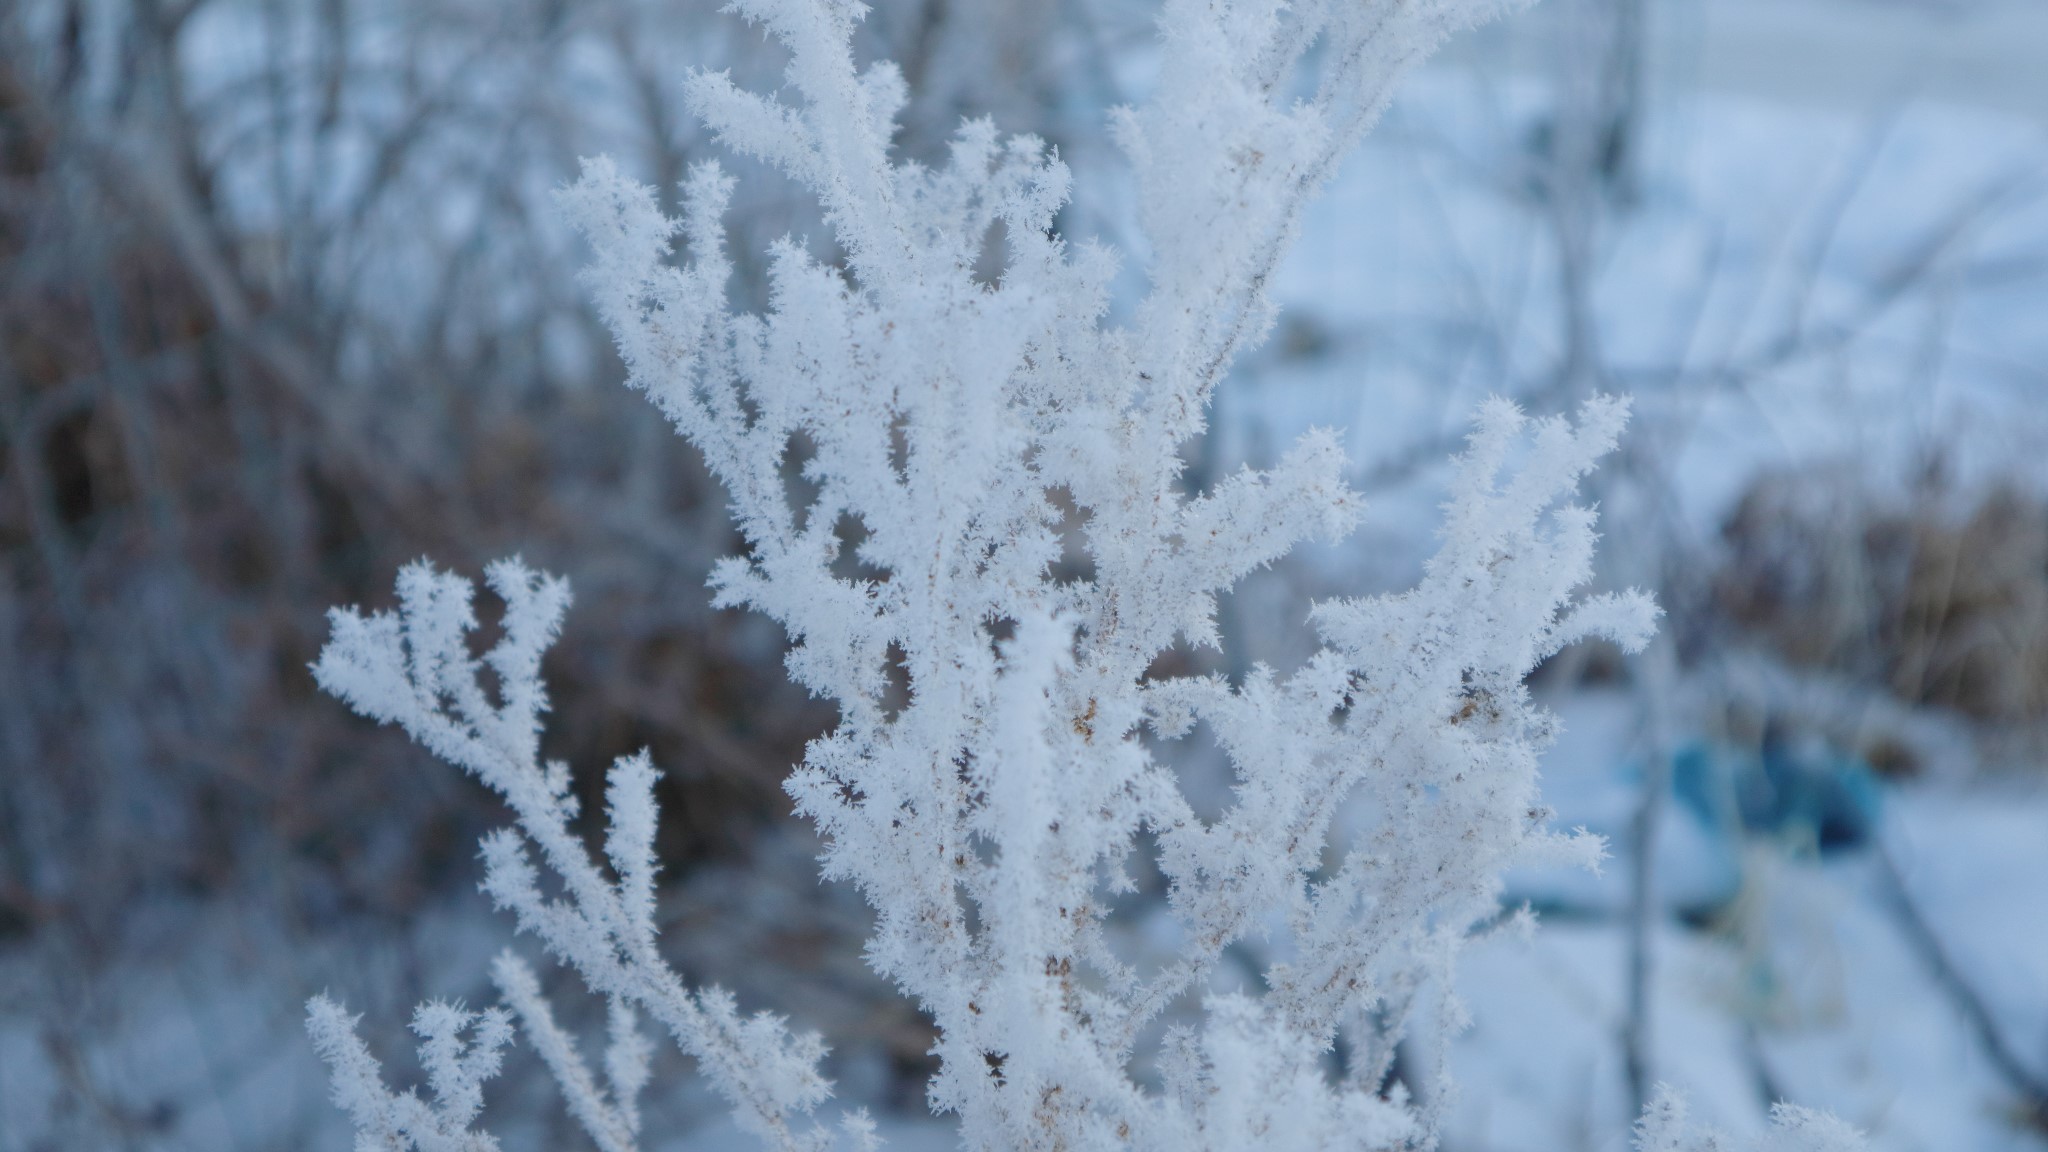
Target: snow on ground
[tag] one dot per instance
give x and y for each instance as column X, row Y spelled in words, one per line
column 1975, row 865
column 1809, row 988
column 1540, row 1070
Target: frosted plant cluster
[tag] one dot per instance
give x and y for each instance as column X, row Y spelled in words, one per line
column 961, row 436
column 1665, row 1127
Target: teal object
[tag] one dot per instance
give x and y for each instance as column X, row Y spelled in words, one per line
column 1795, row 788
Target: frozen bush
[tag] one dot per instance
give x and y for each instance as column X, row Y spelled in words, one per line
column 990, row 778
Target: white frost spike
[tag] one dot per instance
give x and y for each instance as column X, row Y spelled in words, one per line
column 456, row 1070
column 629, row 842
column 965, row 437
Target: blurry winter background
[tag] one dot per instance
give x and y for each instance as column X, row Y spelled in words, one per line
column 283, row 305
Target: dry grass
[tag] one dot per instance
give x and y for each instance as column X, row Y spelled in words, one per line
column 1939, row 602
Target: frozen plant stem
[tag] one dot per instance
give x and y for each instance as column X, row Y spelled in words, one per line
column 989, row 818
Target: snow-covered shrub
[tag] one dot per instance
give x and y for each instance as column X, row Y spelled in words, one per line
column 988, row 812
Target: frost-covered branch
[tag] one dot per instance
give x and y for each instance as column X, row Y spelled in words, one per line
column 414, row 668
column 456, row 1071
column 1381, row 788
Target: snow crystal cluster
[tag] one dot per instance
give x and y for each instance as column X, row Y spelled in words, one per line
column 962, row 437
column 1665, row 1127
